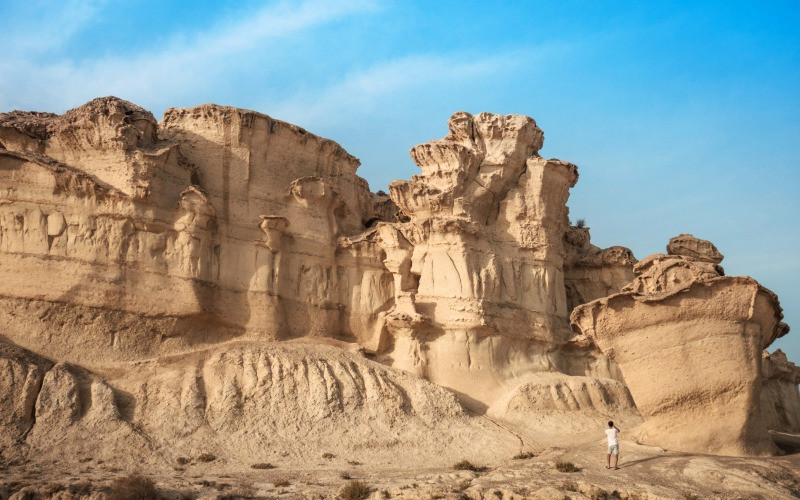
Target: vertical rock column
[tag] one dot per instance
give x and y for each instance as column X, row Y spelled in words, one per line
column 486, row 219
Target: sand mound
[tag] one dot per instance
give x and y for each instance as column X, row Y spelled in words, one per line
column 253, row 402
column 553, row 404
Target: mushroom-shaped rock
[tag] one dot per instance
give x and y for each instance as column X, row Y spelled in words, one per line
column 694, row 248
column 689, row 344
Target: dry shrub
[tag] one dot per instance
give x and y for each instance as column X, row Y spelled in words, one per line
column 133, row 487
column 242, row 491
column 467, row 465
column 183, row 460
column 80, row 488
column 207, row 457
column 328, row 455
column 355, row 490
column 604, row 495
column 570, row 486
column 281, row 483
column 462, row 485
column 524, row 455
column 262, row 466
column 566, row 467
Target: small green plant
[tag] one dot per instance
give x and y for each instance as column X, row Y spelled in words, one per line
column 355, row 490
column 207, row 457
column 281, row 483
column 133, row 486
column 524, row 455
column 566, row 467
column 262, row 466
column 467, row 465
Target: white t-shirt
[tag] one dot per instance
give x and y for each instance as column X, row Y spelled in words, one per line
column 611, row 434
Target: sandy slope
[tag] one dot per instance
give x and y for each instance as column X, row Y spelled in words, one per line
column 645, row 473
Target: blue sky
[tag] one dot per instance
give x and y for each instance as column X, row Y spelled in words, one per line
column 682, row 116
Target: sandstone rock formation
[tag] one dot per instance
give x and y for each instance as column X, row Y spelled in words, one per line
column 224, row 281
column 689, row 344
column 479, row 276
column 780, row 398
column 590, row 272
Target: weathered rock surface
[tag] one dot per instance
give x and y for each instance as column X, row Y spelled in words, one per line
column 591, row 272
column 21, row 374
column 780, row 398
column 667, row 329
column 480, row 295
column 555, row 405
column 214, row 281
column 694, row 248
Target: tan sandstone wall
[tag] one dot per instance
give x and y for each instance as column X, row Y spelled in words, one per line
column 689, row 344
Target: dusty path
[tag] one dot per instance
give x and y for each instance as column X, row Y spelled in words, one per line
column 645, row 473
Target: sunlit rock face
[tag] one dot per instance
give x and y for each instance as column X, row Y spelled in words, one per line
column 780, row 398
column 191, row 279
column 591, row 272
column 482, row 283
column 141, row 238
column 688, row 342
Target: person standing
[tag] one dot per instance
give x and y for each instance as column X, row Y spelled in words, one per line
column 613, row 445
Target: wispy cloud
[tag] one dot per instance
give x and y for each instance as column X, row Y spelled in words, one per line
column 157, row 73
column 39, row 26
column 362, row 90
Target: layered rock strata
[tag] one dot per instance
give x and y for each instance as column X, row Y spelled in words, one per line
column 689, row 344
column 479, row 267
column 591, row 272
column 217, row 278
column 215, row 223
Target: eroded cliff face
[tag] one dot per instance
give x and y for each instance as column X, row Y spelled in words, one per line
column 678, row 318
column 222, row 277
column 780, row 398
column 141, row 238
column 478, row 267
column 591, row 272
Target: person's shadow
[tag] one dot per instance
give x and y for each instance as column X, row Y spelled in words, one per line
column 636, row 462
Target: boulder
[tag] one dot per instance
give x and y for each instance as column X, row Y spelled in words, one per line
column 688, row 342
column 687, row 245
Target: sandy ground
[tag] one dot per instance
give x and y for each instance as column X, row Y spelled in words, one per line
column 644, row 473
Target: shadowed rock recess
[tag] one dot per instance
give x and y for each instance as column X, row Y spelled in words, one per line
column 221, row 281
